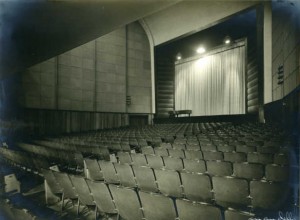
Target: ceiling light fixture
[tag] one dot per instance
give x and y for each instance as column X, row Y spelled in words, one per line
column 201, row 50
column 178, row 56
column 227, row 40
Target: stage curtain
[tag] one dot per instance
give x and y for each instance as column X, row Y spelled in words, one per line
column 213, row 84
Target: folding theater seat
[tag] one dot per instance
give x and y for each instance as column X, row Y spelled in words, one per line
column 260, row 158
column 172, row 163
column 248, row 170
column 235, row 157
column 145, row 178
column 147, row 150
column 225, row 147
column 194, row 166
column 178, row 153
column 268, row 195
column 245, row 148
column 159, row 151
column 155, row 161
column 156, row 206
column 108, row 171
column 124, row 157
column 277, row 173
column 125, row 174
column 169, row 183
column 139, row 159
column 193, row 154
column 102, row 197
column 127, row 202
column 197, row 187
column 219, row 168
column 212, row 155
column 188, row 210
column 92, row 170
column 231, row 192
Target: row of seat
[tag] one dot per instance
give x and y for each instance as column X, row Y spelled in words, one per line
column 133, row 204
column 251, row 157
column 226, row 191
column 271, row 172
column 70, row 158
column 24, row 159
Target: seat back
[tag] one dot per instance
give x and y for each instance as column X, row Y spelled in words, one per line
column 157, row 206
column 127, row 202
column 219, row 168
column 93, row 171
column 82, row 190
column 169, row 182
column 102, row 196
column 197, row 187
column 248, row 170
column 172, row 163
column 139, row 159
column 125, row 174
column 145, row 178
column 235, row 157
column 109, row 172
column 188, row 210
column 194, row 166
column 155, row 161
column 231, row 192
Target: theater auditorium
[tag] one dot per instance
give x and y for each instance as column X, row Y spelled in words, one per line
column 149, row 110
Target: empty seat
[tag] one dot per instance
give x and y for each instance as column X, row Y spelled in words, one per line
column 231, row 192
column 188, row 210
column 193, row 154
column 212, row 155
column 125, row 174
column 245, row 148
column 102, row 197
column 161, row 151
column 267, row 149
column 93, row 171
column 166, row 145
column 156, row 206
column 125, row 147
column 127, row 202
column 109, row 172
column 260, row 158
column 178, row 153
column 145, row 178
column 178, row 146
column 281, row 159
column 172, row 163
column 65, row 183
column 155, row 161
column 82, row 190
column 208, row 147
column 51, row 182
column 219, row 168
column 194, row 166
column 124, row 157
column 147, row 150
column 248, row 170
column 139, row 159
column 192, row 146
column 169, row 182
column 277, row 173
column 235, row 157
column 225, row 148
column 197, row 187
column 237, row 215
column 268, row 195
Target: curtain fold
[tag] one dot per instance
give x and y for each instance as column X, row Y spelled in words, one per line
column 212, row 85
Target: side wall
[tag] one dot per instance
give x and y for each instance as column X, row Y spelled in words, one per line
column 285, row 47
column 91, row 80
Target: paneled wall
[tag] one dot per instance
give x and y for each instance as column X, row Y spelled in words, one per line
column 252, row 77
column 93, row 78
column 139, row 70
column 285, row 47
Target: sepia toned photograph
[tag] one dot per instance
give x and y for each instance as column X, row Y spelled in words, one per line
column 149, row 109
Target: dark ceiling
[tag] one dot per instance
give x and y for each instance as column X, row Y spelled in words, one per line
column 238, row 26
column 35, row 30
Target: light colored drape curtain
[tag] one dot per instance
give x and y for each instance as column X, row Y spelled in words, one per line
column 212, row 85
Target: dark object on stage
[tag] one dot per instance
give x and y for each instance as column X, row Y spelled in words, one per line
column 180, row 112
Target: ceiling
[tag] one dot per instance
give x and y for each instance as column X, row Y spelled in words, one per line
column 35, row 30
column 242, row 25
